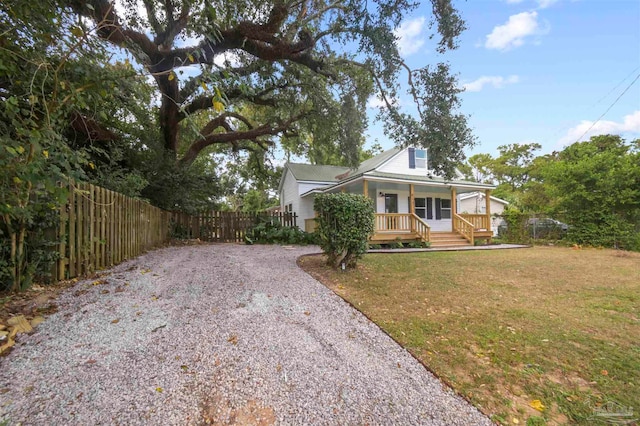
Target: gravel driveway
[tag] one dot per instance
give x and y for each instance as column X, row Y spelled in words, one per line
column 216, row 334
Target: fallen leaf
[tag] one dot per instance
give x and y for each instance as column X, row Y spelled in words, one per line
column 19, row 324
column 515, row 421
column 91, row 361
column 307, row 313
column 104, row 291
column 604, row 372
column 119, row 289
column 3, row 327
column 115, row 321
column 233, row 339
column 537, row 405
column 36, row 321
column 159, row 389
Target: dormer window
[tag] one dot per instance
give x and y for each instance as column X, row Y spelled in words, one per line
column 417, row 158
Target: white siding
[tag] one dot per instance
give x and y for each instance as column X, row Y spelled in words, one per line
column 306, row 187
column 400, row 164
column 441, row 225
column 305, row 211
column 291, row 191
column 289, row 194
column 477, row 205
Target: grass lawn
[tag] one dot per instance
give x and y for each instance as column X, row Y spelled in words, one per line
column 530, row 336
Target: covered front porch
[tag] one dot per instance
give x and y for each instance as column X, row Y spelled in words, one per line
column 424, row 213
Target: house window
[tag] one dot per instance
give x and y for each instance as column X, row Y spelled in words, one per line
column 288, row 208
column 445, row 206
column 421, row 159
column 417, row 158
column 421, row 207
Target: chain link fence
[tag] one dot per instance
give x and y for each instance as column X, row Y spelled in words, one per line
column 530, row 227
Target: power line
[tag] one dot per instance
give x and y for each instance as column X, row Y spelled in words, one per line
column 563, row 127
column 610, row 106
column 612, row 90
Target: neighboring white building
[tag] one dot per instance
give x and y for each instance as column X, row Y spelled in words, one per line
column 406, row 193
column 475, row 203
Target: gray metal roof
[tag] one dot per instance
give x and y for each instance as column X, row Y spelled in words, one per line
column 316, row 173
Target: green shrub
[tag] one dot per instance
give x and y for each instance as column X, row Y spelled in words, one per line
column 269, row 230
column 374, row 246
column 397, row 244
column 418, row 244
column 345, row 224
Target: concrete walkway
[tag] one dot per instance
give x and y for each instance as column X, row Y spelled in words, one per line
column 462, row 248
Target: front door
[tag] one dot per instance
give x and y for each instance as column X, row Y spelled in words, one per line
column 391, row 206
column 391, row 203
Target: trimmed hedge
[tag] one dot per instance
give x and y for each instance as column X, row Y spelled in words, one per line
column 345, row 223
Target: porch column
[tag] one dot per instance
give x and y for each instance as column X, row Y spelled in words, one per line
column 454, row 208
column 412, row 198
column 487, row 200
column 365, row 184
column 412, row 206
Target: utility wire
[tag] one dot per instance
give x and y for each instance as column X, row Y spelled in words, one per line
column 610, row 106
column 563, row 128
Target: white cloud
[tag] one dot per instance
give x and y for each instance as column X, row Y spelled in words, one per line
column 543, row 4
column 495, row 81
column 409, row 35
column 630, row 124
column 514, row 31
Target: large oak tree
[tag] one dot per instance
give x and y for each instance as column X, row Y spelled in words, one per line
column 300, row 71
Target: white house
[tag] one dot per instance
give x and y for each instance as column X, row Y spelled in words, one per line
column 411, row 202
column 476, row 203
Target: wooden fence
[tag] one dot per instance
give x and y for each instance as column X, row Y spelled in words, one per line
column 99, row 228
column 225, row 227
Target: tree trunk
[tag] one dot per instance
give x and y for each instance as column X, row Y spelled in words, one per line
column 169, row 111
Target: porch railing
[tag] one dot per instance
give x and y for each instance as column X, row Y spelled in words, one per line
column 479, row 221
column 421, row 228
column 403, row 222
column 400, row 222
column 464, row 228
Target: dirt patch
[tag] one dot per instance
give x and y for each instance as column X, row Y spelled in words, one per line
column 221, row 412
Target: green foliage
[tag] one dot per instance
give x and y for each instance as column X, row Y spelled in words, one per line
column 397, row 244
column 38, row 103
column 515, row 230
column 269, row 230
column 595, row 185
column 308, row 86
column 345, row 224
column 418, row 244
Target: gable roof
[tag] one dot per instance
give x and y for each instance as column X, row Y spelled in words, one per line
column 337, row 176
column 476, row 194
column 316, row 173
column 377, row 161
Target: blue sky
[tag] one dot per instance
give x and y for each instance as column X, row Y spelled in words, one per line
column 538, row 70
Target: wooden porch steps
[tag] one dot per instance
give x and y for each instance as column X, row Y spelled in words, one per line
column 448, row 239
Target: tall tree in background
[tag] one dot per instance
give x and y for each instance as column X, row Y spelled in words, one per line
column 305, row 69
column 595, row 185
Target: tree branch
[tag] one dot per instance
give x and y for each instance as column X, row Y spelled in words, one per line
column 232, row 137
